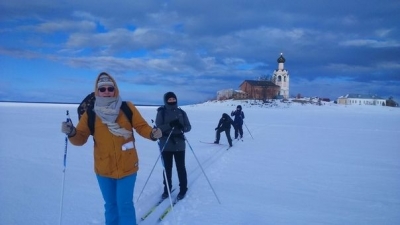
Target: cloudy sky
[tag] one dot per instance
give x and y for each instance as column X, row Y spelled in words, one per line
column 53, row 50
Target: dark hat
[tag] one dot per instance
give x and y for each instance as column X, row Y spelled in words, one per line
column 170, row 95
column 239, row 107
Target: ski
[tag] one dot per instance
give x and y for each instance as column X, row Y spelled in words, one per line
column 168, row 209
column 210, row 143
column 152, row 209
column 235, row 142
column 239, row 139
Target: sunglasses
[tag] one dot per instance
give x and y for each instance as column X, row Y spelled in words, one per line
column 109, row 89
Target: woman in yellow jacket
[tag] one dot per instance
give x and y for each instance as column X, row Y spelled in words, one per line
column 115, row 158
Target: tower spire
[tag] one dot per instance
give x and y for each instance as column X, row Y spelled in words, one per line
column 281, row 77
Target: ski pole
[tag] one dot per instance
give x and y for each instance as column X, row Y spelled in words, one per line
column 202, row 169
column 164, row 172
column 165, row 175
column 248, row 129
column 151, row 172
column 65, row 167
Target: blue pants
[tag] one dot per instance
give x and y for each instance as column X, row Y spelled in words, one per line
column 118, row 197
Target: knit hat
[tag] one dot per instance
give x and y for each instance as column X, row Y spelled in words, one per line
column 105, row 80
column 239, row 107
column 170, row 95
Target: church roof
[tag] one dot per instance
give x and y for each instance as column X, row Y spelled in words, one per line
column 281, row 59
column 260, row 83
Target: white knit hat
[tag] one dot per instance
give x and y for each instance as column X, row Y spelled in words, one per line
column 105, row 80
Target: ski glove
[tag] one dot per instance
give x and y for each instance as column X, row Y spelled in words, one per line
column 68, row 128
column 176, row 124
column 156, row 133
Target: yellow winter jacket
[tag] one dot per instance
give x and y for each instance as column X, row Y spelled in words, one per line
column 114, row 156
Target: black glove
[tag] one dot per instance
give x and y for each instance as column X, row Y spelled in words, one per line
column 176, row 124
column 216, row 128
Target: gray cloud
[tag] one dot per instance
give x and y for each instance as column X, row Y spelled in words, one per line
column 212, row 44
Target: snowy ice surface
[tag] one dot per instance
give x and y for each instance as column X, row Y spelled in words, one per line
column 297, row 165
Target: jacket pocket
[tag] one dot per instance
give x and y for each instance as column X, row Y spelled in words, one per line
column 103, row 165
column 130, row 160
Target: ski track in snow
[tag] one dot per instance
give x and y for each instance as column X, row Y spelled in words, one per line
column 305, row 165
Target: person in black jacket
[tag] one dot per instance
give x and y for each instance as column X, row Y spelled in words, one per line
column 224, row 125
column 173, row 120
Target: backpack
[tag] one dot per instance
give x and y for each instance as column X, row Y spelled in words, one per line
column 87, row 105
column 162, row 110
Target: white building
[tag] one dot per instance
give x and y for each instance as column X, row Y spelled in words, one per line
column 225, row 94
column 360, row 99
column 281, row 78
column 231, row 94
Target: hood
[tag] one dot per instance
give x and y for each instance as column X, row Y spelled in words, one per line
column 116, row 91
column 168, row 95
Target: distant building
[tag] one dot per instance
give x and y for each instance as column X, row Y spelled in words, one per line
column 231, row 94
column 390, row 102
column 281, row 78
column 361, row 99
column 277, row 88
column 259, row 89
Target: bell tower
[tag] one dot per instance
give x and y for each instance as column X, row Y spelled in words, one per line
column 281, row 78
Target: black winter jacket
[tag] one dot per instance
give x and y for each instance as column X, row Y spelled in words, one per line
column 225, row 122
column 166, row 114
